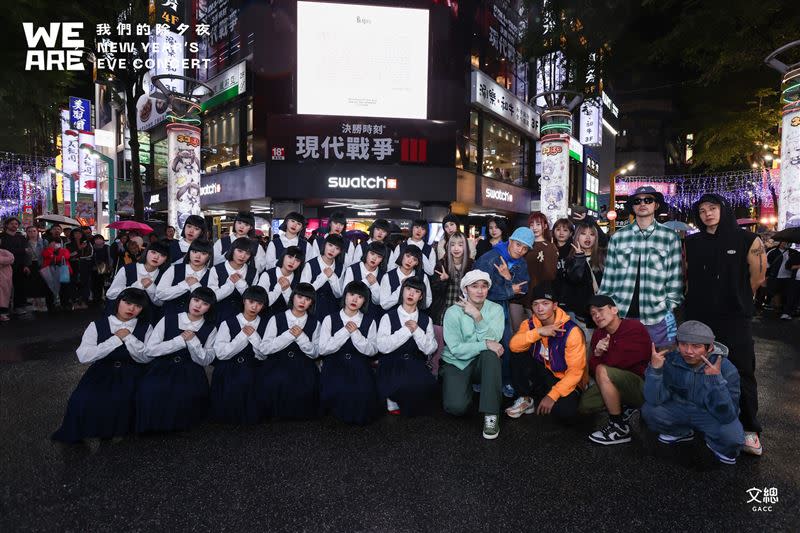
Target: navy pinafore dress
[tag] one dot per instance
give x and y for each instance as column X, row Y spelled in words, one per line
column 279, row 248
column 173, row 394
column 231, row 305
column 288, row 381
column 154, row 312
column 233, row 384
column 375, row 311
column 175, row 252
column 103, row 403
column 326, row 303
column 181, row 303
column 347, row 384
column 279, row 305
column 404, row 376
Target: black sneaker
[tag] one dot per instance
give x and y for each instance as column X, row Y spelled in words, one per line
column 628, row 413
column 611, row 434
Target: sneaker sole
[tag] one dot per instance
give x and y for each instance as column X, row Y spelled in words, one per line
column 608, row 443
column 753, row 451
column 722, row 459
column 676, row 441
column 517, row 414
column 490, row 437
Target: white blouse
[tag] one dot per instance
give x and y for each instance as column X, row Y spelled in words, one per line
column 322, row 279
column 272, row 258
column 330, row 342
column 374, row 288
column 260, row 259
column 166, row 291
column 120, row 280
column 90, row 351
column 227, row 288
column 226, row 348
column 390, row 298
column 428, row 261
column 273, row 293
column 274, row 342
column 389, row 342
column 201, row 354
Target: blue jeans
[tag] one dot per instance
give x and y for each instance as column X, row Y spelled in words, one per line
column 677, row 418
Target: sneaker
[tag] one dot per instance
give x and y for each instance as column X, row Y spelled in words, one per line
column 628, row 413
column 724, row 459
column 491, row 427
column 476, row 387
column 392, row 407
column 19, row 311
column 611, row 434
column 752, row 444
column 675, row 439
column 785, row 316
column 4, row 318
column 523, row 406
column 508, row 391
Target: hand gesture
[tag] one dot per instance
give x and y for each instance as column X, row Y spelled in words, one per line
column 188, row 335
column 518, row 287
column 578, row 249
column 496, row 347
column 468, row 307
column 284, row 283
column 602, row 346
column 545, row 406
column 657, row 358
column 235, row 277
column 715, row 369
column 350, row 327
column 551, row 330
column 503, row 269
column 578, row 216
column 371, row 279
column 191, row 280
column 146, row 282
column 442, row 274
column 248, row 330
column 122, row 333
column 328, row 272
column 296, row 331
column 411, row 325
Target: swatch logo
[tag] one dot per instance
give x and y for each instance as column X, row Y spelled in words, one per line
column 362, row 182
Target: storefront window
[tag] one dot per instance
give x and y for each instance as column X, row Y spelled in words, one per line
column 505, row 153
column 467, row 156
column 221, row 135
column 160, row 164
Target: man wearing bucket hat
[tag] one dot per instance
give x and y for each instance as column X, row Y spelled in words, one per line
column 643, row 271
column 694, row 388
column 473, row 328
column 506, row 266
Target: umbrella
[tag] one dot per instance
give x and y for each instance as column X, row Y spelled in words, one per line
column 787, row 235
column 746, row 221
column 677, row 225
column 59, row 219
column 131, row 225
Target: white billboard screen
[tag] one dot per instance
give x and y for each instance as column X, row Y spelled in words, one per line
column 357, row 60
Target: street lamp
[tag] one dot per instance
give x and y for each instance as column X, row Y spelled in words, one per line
column 73, row 194
column 112, row 185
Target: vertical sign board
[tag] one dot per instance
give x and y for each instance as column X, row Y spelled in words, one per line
column 88, row 165
column 80, row 114
column 183, row 173
column 555, row 176
column 591, row 133
column 70, row 156
column 789, row 200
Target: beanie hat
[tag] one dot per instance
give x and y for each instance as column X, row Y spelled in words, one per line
column 471, row 277
column 523, row 235
column 695, row 332
column 450, row 217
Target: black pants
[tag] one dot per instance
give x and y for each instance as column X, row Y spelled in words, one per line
column 19, row 281
column 793, row 297
column 737, row 335
column 531, row 378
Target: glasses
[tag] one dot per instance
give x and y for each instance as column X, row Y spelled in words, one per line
column 646, row 200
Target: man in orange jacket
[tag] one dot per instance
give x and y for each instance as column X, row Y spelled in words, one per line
column 548, row 361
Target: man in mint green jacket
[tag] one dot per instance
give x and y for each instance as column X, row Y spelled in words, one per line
column 473, row 329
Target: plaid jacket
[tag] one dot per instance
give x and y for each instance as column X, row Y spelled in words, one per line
column 660, row 276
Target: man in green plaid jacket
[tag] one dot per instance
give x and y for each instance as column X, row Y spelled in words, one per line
column 643, row 271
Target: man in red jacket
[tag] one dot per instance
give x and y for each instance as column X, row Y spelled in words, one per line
column 620, row 354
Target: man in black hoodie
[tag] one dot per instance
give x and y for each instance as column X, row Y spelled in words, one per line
column 725, row 267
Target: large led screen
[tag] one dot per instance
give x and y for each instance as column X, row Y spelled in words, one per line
column 364, row 61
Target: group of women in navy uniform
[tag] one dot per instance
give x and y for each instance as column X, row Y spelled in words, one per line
column 295, row 331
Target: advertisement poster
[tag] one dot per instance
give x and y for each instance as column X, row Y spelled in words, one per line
column 555, row 176
column 183, row 172
column 124, row 198
column 88, row 165
column 789, row 201
column 85, row 210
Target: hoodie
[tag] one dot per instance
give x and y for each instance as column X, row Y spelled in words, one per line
column 718, row 275
column 680, row 383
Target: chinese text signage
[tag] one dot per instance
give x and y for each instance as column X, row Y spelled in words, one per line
column 487, row 94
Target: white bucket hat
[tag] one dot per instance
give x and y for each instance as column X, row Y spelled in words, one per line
column 471, row 277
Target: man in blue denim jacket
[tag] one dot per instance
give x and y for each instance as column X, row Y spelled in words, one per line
column 694, row 388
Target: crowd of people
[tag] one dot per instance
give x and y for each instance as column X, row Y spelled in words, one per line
column 554, row 316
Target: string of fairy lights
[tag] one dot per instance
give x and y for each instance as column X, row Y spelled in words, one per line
column 24, row 182
column 740, row 188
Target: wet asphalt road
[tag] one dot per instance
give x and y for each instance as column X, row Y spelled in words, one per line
column 427, row 474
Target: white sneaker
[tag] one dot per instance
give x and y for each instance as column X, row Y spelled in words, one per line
column 752, row 444
column 491, row 427
column 523, row 406
column 392, row 407
column 785, row 316
column 674, row 439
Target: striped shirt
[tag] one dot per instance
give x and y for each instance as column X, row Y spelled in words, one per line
column 656, row 252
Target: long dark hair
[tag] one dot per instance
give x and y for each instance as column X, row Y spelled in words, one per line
column 598, row 258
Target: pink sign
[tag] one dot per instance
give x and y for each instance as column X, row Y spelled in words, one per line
column 626, row 188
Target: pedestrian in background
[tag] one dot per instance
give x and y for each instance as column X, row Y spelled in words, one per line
column 36, row 288
column 80, row 254
column 17, row 244
column 101, row 268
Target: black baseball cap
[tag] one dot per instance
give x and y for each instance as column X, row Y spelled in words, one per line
column 601, row 300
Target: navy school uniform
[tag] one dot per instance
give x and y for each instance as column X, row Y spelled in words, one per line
column 233, row 385
column 173, row 290
column 287, row 382
column 229, row 295
column 390, row 288
column 174, row 394
column 128, row 276
column 428, row 255
column 329, row 290
column 347, row 384
column 358, row 272
column 258, row 257
column 276, row 248
column 347, row 251
column 403, row 374
column 103, row 403
column 278, row 299
column 177, row 250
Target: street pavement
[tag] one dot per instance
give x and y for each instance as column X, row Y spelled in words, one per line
column 427, row 474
